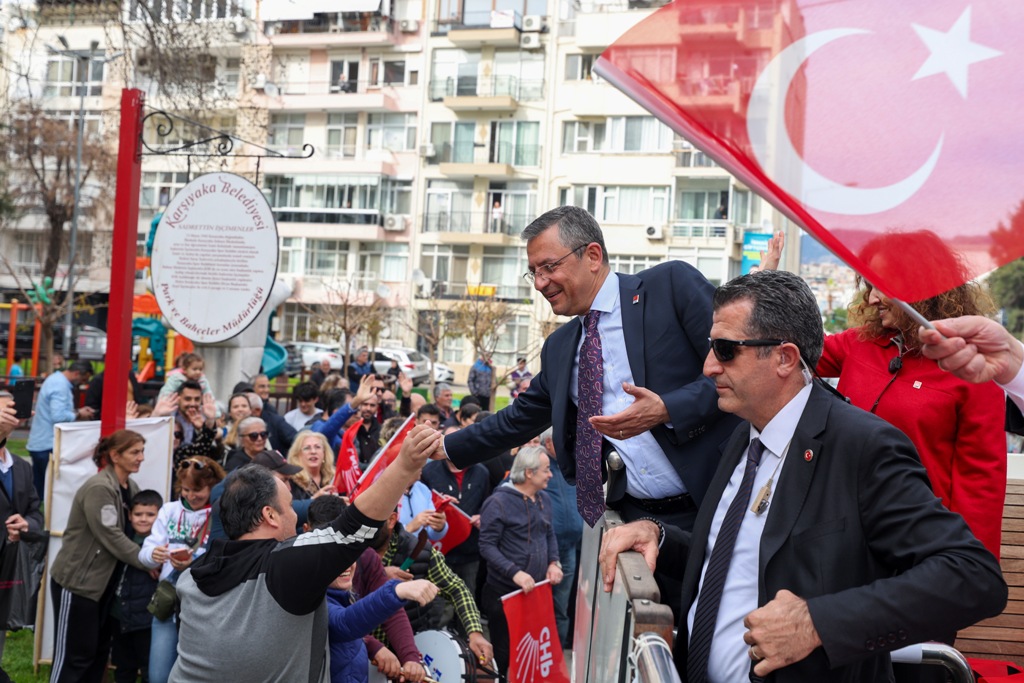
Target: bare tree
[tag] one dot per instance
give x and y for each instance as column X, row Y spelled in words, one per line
column 482, row 321
column 346, row 311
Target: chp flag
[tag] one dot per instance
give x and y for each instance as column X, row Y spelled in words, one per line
column 346, row 470
column 384, row 457
column 536, row 652
column 460, row 525
column 888, row 130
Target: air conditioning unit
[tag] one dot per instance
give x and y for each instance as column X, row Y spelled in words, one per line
column 239, row 26
column 409, row 26
column 395, row 222
column 427, row 151
column 655, row 232
column 259, row 82
column 529, row 41
column 533, row 23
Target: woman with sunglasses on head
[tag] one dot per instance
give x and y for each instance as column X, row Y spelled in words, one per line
column 181, row 528
column 96, row 543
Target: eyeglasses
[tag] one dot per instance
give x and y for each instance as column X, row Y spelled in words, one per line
column 179, row 435
column 379, row 390
column 256, row 436
column 185, row 464
column 547, row 269
column 725, row 349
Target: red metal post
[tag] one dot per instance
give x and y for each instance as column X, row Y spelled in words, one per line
column 122, row 263
column 37, row 336
column 11, row 340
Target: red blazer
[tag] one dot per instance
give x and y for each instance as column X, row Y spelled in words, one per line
column 957, row 427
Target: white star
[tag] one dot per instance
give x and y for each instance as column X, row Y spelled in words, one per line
column 952, row 52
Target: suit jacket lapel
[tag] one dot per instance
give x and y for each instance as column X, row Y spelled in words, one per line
column 795, row 481
column 630, row 289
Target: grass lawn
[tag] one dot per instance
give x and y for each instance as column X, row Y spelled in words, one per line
column 18, row 659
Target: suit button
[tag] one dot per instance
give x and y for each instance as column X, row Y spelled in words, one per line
column 902, row 634
column 881, row 641
column 892, row 638
column 869, row 646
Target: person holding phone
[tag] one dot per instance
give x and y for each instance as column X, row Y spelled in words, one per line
column 182, row 526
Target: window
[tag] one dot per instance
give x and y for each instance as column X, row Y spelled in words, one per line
column 449, row 206
column 159, row 11
column 397, row 196
column 746, row 208
column 336, row 198
column 341, row 135
column 291, row 255
column 515, row 142
column 394, row 132
column 453, row 72
column 286, row 132
column 159, row 188
column 387, row 72
column 326, row 258
column 637, row 134
column 578, row 67
column 580, row 137
column 93, row 119
column 632, row 264
column 230, row 71
column 504, row 267
column 296, row 321
column 345, row 75
column 63, row 76
column 519, row 74
column 512, row 341
column 453, row 142
column 387, row 261
column 702, row 205
column 625, row 204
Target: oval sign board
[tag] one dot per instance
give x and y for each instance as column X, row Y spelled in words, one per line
column 215, row 257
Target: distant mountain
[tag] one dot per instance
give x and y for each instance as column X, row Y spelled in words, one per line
column 811, row 251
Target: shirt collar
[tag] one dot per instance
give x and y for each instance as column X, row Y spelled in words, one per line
column 6, row 460
column 779, row 431
column 607, row 297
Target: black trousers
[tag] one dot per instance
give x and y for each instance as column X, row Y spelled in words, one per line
column 130, row 654
column 497, row 625
column 81, row 643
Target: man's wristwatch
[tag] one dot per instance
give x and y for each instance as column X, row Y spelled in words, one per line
column 661, row 528
column 557, row 564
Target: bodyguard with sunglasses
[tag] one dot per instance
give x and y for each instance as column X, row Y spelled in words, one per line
column 624, row 376
column 820, row 546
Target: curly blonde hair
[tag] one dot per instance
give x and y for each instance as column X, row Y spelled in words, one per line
column 295, row 457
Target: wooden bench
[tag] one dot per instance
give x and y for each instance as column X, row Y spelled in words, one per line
column 1002, row 637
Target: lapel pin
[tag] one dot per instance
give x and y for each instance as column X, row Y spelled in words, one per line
column 808, row 455
column 636, row 298
column 917, row 385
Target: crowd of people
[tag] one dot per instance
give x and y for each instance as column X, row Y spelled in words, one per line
column 793, row 533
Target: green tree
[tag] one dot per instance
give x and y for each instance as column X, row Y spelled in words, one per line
column 1007, row 287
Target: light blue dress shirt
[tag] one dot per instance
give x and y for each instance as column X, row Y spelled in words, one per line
column 649, row 474
column 56, row 403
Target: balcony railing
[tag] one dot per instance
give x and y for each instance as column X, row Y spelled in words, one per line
column 601, row 6
column 693, row 158
column 342, row 86
column 471, row 86
column 481, row 19
column 328, row 215
column 334, row 22
column 700, row 228
column 485, row 153
column 475, row 221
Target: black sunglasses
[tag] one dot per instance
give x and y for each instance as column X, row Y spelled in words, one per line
column 179, row 435
column 185, row 464
column 725, row 349
column 256, row 436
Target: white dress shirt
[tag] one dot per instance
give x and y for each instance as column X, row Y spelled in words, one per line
column 729, row 661
column 649, row 474
column 1015, row 387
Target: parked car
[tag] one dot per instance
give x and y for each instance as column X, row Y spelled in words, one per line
column 414, row 364
column 293, row 365
column 443, row 373
column 90, row 343
column 323, row 353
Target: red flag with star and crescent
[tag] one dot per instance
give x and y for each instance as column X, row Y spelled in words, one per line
column 346, row 471
column 460, row 525
column 385, row 456
column 888, row 130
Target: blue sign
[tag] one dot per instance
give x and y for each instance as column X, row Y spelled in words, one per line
column 753, row 244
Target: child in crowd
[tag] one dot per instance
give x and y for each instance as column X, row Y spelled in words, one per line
column 130, row 651
column 188, row 366
column 349, row 618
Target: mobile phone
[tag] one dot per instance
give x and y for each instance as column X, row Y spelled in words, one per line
column 181, row 554
column 23, row 392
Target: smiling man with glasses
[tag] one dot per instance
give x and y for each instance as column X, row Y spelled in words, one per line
column 624, row 376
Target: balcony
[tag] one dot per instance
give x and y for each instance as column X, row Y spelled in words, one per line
column 498, row 94
column 356, row 224
column 460, row 290
column 335, row 29
column 496, row 161
column 706, row 229
column 474, row 225
column 599, row 23
column 332, row 96
column 499, row 28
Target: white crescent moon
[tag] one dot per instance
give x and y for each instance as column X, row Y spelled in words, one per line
column 769, row 139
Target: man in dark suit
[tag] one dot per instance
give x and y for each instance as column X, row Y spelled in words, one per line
column 824, row 548
column 644, row 397
column 19, row 508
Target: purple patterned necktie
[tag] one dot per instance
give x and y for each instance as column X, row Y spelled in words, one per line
column 589, row 490
column 706, row 616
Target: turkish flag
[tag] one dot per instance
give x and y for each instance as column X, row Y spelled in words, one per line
column 346, row 471
column 459, row 524
column 891, row 131
column 384, row 457
column 536, row 652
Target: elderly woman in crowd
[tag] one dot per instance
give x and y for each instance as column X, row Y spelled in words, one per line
column 252, row 440
column 313, row 454
column 96, row 542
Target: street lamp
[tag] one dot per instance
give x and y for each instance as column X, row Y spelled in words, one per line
column 84, row 59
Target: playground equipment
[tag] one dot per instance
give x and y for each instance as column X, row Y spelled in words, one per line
column 12, row 339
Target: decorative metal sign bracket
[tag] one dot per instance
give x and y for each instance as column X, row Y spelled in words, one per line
column 218, row 142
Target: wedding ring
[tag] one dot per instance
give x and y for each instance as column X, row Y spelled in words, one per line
column 753, row 656
column 620, row 434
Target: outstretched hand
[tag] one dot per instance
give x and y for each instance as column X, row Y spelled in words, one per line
column 974, row 348
column 770, row 259
column 646, row 411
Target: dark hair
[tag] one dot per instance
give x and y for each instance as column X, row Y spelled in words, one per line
column 190, row 384
column 336, row 399
column 81, row 366
column 18, row 358
column 118, row 442
column 187, row 359
column 469, row 410
column 242, row 388
column 469, row 401
column 208, row 473
column 147, row 497
column 783, row 307
column 324, row 510
column 520, row 360
column 481, row 416
column 428, row 409
column 576, row 228
column 247, row 491
column 240, row 395
column 306, row 391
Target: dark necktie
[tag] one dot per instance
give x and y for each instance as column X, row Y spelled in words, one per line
column 589, row 490
column 710, row 596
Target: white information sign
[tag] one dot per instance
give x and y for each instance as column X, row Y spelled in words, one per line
column 215, row 257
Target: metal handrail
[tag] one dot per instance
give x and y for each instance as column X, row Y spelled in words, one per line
column 937, row 654
column 652, row 659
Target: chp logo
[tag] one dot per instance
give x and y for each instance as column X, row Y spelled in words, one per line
column 533, row 655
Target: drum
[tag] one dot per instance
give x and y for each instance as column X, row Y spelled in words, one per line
column 447, row 659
